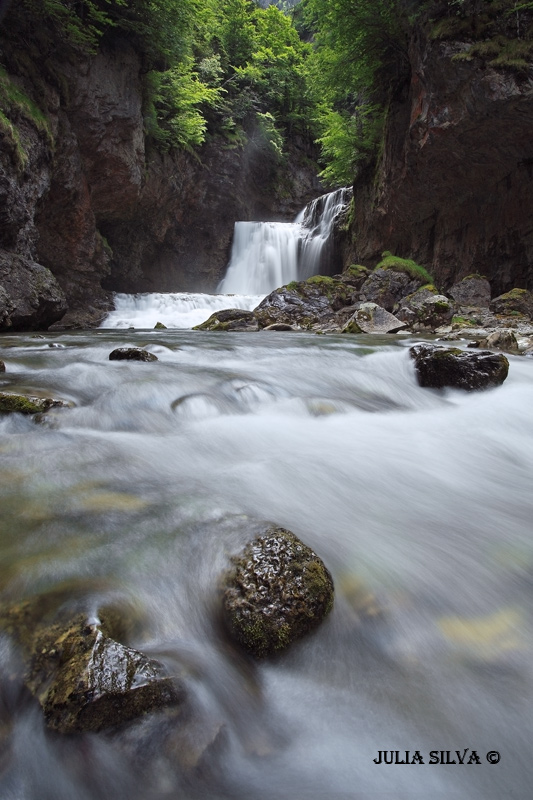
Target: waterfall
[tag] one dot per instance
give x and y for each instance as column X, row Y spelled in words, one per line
column 266, row 255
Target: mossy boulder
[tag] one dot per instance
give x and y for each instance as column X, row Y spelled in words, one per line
column 131, row 354
column 472, row 291
column 83, row 679
column 387, row 286
column 438, row 367
column 27, row 404
column 501, row 340
column 277, row 591
column 230, row 319
column 425, row 309
column 160, row 327
column 306, row 304
column 517, row 300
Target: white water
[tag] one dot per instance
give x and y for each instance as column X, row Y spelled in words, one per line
column 267, row 255
column 173, row 309
column 422, row 497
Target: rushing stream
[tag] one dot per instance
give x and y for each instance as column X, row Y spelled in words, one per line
column 419, row 502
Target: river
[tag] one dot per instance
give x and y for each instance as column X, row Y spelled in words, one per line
column 418, row 501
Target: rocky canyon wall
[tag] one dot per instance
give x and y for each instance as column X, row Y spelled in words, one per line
column 87, row 206
column 453, row 189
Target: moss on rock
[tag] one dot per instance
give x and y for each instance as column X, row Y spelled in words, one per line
column 277, row 591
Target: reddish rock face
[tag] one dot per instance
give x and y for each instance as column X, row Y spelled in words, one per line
column 453, row 189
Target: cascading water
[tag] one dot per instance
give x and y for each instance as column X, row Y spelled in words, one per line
column 265, row 256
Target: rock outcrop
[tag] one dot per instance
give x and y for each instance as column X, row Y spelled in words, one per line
column 452, row 189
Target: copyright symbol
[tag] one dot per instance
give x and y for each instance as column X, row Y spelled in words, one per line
column 493, row 756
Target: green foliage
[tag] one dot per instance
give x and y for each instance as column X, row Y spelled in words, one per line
column 389, row 261
column 15, row 105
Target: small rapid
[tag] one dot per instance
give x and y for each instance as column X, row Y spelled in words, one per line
column 418, row 501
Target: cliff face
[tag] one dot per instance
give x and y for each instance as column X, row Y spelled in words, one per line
column 86, row 208
column 453, row 188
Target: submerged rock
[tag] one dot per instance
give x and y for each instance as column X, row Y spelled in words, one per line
column 277, row 591
column 229, row 319
column 439, row 367
column 474, row 290
column 371, row 318
column 27, row 404
column 131, row 354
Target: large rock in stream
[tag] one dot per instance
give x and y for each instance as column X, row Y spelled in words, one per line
column 439, row 367
column 277, row 591
column 83, row 679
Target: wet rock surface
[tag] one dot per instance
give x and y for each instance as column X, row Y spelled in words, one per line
column 83, row 679
column 438, row 368
column 30, row 296
column 131, row 354
column 277, row 591
column 28, row 404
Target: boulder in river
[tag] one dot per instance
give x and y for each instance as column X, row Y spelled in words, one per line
column 229, row 319
column 27, row 404
column 2, row 366
column 307, row 304
column 277, row 591
column 83, row 679
column 131, row 354
column 439, row 367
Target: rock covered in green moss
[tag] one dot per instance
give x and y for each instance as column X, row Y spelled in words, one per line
column 308, row 304
column 387, row 286
column 160, row 327
column 27, row 404
column 517, row 301
column 131, row 354
column 229, row 319
column 425, row 309
column 439, row 367
column 277, row 591
column 472, row 291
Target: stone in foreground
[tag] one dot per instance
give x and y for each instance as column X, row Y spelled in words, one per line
column 438, row 368
column 86, row 681
column 131, row 354
column 277, row 591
